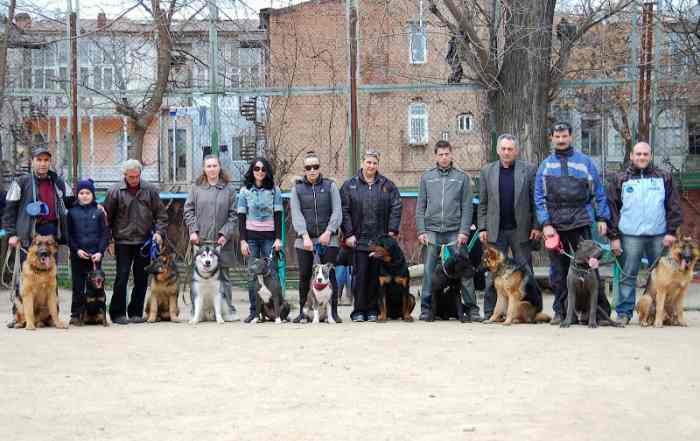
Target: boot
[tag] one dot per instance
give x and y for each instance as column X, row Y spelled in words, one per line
column 334, row 308
column 301, row 317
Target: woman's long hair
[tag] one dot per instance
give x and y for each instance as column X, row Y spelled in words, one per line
column 268, row 182
column 223, row 174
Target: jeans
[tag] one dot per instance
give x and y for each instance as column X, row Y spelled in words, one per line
column 343, row 278
column 128, row 257
column 633, row 249
column 522, row 254
column 259, row 249
column 435, row 240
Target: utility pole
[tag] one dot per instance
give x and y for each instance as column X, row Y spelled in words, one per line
column 352, row 45
column 645, row 64
column 213, row 70
column 73, row 57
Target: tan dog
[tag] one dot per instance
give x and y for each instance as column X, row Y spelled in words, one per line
column 662, row 302
column 162, row 300
column 37, row 305
column 516, row 301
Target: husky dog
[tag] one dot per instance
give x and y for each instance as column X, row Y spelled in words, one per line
column 207, row 288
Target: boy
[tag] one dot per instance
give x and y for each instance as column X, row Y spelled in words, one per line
column 88, row 239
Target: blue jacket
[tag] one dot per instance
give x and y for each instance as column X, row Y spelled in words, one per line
column 87, row 229
column 569, row 193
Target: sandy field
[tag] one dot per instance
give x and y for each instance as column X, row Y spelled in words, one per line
column 366, row 381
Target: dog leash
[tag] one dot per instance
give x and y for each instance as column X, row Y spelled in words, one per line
column 151, row 247
column 15, row 273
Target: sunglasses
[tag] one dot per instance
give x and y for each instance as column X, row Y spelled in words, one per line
column 561, row 127
column 372, row 152
column 312, row 167
column 258, row 169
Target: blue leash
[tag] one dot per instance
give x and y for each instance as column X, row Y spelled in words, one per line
column 150, row 248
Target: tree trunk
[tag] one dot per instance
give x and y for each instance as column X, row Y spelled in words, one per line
column 138, row 135
column 3, row 50
column 521, row 104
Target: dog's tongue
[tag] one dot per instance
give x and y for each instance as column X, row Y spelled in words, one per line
column 593, row 263
column 320, row 286
column 45, row 261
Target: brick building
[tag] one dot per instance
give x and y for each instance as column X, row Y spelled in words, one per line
column 404, row 106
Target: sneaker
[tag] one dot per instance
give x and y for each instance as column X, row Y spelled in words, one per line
column 121, row 320
column 424, row 316
column 251, row 319
column 622, row 320
column 75, row 321
column 337, row 319
column 301, row 318
column 474, row 316
column 136, row 320
column 357, row 317
column 556, row 320
column 11, row 324
column 371, row 317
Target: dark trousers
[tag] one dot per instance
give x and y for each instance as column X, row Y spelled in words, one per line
column 560, row 270
column 365, row 282
column 128, row 257
column 522, row 253
column 79, row 269
column 305, row 260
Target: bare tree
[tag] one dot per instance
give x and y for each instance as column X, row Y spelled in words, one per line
column 513, row 50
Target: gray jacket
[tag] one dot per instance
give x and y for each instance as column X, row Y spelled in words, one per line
column 444, row 202
column 524, row 199
column 301, row 224
column 210, row 211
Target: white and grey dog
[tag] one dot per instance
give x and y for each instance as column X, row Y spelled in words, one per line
column 209, row 300
column 321, row 293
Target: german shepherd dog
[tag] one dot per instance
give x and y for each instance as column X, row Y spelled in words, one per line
column 446, row 286
column 162, row 300
column 395, row 300
column 95, row 312
column 517, row 299
column 584, row 301
column 37, row 305
column 269, row 304
column 662, row 302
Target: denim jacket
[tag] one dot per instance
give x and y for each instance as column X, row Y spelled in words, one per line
column 259, row 204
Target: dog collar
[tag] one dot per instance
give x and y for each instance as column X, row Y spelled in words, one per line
column 319, row 286
column 196, row 270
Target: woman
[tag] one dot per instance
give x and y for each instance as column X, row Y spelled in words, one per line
column 371, row 208
column 259, row 219
column 316, row 216
column 210, row 216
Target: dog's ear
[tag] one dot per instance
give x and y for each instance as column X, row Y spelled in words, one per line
column 329, row 265
column 218, row 249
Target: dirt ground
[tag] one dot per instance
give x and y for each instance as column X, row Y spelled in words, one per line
column 394, row 381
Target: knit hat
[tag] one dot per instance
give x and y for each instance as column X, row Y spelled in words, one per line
column 86, row 184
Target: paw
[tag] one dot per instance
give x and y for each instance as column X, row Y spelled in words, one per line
column 220, row 321
column 330, row 320
column 682, row 322
column 61, row 325
column 658, row 324
column 565, row 324
column 192, row 322
column 593, row 325
column 30, row 328
column 151, row 320
column 278, row 320
column 507, row 323
column 408, row 318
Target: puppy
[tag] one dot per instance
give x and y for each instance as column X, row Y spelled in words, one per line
column 95, row 312
column 446, row 286
column 320, row 294
column 162, row 300
column 395, row 300
column 207, row 288
column 269, row 305
column 37, row 305
column 662, row 302
column 518, row 300
column 583, row 302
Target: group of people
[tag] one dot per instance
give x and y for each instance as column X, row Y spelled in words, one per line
column 519, row 204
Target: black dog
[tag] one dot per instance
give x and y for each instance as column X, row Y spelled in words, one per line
column 270, row 305
column 395, row 300
column 95, row 312
column 446, row 286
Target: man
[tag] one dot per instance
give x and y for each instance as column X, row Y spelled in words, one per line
column 135, row 214
column 646, row 211
column 444, row 217
column 567, row 183
column 36, row 203
column 316, row 216
column 507, row 217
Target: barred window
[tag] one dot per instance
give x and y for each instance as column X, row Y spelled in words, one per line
column 418, row 43
column 418, row 124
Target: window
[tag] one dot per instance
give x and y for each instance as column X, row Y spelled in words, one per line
column 180, row 153
column 465, row 122
column 417, row 124
column 591, row 136
column 250, row 63
column 418, row 42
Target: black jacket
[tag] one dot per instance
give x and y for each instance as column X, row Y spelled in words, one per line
column 358, row 198
column 17, row 222
column 87, row 229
